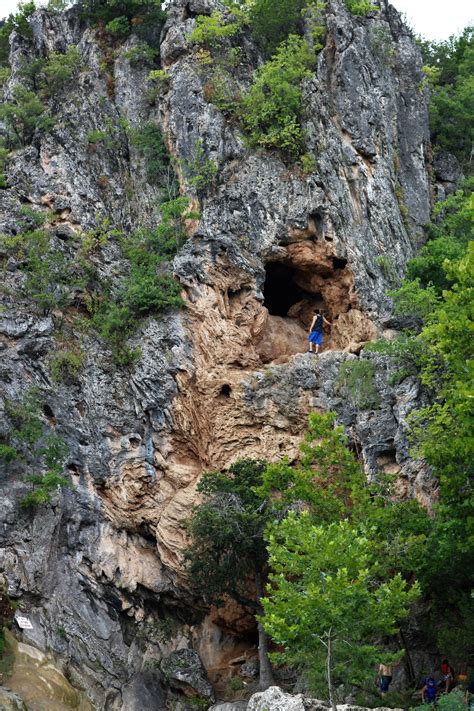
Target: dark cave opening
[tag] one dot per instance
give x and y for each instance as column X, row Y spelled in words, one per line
column 281, row 290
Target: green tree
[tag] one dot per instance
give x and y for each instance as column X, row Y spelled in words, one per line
column 452, row 93
column 17, row 22
column 327, row 600
column 274, row 20
column 272, row 108
column 23, row 116
column 227, row 553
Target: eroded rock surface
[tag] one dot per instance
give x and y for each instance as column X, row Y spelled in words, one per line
column 221, row 379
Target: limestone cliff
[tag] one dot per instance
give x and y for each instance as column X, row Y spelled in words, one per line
column 220, row 379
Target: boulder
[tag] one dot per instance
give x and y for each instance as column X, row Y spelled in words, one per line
column 184, row 670
column 9, row 701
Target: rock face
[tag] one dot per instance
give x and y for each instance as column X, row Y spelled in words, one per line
column 9, row 701
column 274, row 699
column 218, row 380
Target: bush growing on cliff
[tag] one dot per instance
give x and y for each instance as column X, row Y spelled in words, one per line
column 356, row 380
column 23, row 116
column 274, row 20
column 41, row 452
column 17, row 22
column 272, row 108
column 451, row 65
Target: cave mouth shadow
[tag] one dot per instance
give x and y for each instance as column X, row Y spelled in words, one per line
column 281, row 290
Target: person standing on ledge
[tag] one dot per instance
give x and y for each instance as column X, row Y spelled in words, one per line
column 315, row 337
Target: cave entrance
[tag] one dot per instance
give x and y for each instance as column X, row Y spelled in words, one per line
column 282, row 291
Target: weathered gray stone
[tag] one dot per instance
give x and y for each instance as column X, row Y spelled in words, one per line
column 9, row 701
column 102, row 562
column 184, row 670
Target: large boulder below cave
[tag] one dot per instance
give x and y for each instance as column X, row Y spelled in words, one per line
column 185, row 671
column 274, row 699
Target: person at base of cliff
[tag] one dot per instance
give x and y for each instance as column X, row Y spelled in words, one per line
column 429, row 691
column 315, row 337
column 384, row 677
column 447, row 676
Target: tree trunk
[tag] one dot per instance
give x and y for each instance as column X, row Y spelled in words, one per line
column 266, row 675
column 328, row 671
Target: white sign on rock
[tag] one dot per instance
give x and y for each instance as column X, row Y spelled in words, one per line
column 23, row 623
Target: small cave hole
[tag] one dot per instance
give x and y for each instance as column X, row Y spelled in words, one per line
column 134, row 441
column 49, row 413
column 339, row 262
column 225, row 390
column 387, row 461
column 281, row 291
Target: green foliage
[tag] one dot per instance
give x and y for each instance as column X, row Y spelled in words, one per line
column 23, row 116
column 412, row 300
column 360, row 7
column 119, row 27
column 325, row 479
column 272, row 108
column 226, row 532
column 148, row 289
column 356, row 379
column 273, row 21
column 48, row 282
column 200, row 171
column 141, row 54
column 449, row 237
column 452, row 702
column 95, row 136
column 388, row 266
column 8, row 453
column 149, row 141
column 442, row 432
column 60, row 69
column 405, row 351
column 451, row 78
column 144, row 17
column 65, row 365
column 33, row 217
column 327, row 600
column 42, row 453
column 17, row 22
column 211, row 30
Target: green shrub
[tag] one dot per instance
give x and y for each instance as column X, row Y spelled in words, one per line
column 388, row 266
column 95, row 136
column 210, row 30
column 272, row 108
column 119, row 27
column 236, row 684
column 149, row 142
column 141, row 54
column 44, row 485
column 65, row 365
column 308, row 163
column 5, row 74
column 223, row 91
column 405, row 351
column 200, row 171
column 33, row 217
column 356, row 379
column 39, row 450
column 360, row 7
column 7, row 453
column 273, row 21
column 60, row 69
column 23, row 116
column 17, row 22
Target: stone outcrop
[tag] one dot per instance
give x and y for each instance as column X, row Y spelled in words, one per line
column 220, row 379
column 274, row 699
